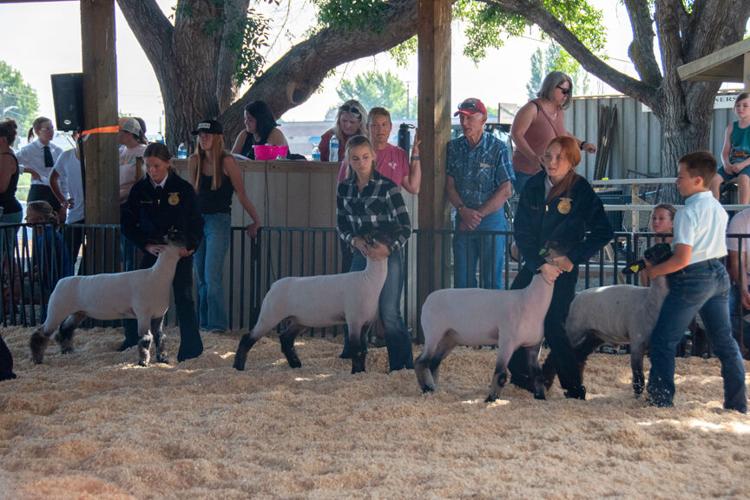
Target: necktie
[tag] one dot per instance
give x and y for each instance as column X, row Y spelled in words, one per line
column 159, row 192
column 48, row 161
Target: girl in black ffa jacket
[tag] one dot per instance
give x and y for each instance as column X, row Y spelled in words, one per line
column 558, row 209
column 159, row 203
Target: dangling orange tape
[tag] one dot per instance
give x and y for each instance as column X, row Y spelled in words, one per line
column 109, row 129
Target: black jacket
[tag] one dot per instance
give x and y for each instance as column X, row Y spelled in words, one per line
column 575, row 221
column 147, row 216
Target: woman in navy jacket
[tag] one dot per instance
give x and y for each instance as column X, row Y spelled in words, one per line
column 558, row 208
column 162, row 203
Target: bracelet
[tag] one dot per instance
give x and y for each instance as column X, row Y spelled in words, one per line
column 583, row 143
column 415, row 158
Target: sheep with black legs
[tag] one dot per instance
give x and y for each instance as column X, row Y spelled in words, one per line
column 298, row 303
column 618, row 315
column 510, row 319
column 142, row 295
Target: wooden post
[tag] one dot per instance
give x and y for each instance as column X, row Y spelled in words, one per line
column 100, row 109
column 746, row 71
column 434, row 108
column 100, row 150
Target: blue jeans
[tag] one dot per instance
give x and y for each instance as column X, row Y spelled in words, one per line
column 128, row 250
column 397, row 339
column 209, row 271
column 470, row 248
column 699, row 288
column 520, row 182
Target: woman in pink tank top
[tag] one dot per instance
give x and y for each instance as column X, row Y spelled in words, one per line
column 537, row 123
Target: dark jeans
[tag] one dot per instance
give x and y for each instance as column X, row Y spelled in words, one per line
column 699, row 288
column 191, row 345
column 397, row 338
column 561, row 351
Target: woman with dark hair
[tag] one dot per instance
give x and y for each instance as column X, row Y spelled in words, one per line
column 37, row 158
column 260, row 128
column 10, row 208
column 537, row 123
column 215, row 176
column 558, row 208
column 158, row 204
column 350, row 121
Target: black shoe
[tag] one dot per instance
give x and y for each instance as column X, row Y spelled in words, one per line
column 576, row 393
column 345, row 354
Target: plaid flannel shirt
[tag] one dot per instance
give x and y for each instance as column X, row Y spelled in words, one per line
column 379, row 204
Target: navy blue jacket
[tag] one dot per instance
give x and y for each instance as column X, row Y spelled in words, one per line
column 576, row 221
column 148, row 215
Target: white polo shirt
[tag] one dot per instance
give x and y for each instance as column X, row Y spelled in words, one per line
column 68, row 167
column 702, row 224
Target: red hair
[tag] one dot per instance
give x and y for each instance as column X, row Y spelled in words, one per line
column 571, row 151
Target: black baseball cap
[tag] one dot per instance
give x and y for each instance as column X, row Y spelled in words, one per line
column 209, row 127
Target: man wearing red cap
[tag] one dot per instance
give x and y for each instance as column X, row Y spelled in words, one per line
column 477, row 184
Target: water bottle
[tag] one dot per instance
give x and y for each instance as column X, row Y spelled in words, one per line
column 315, row 153
column 333, row 147
column 182, row 151
column 404, row 136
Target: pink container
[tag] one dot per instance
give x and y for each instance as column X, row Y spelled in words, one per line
column 267, row 152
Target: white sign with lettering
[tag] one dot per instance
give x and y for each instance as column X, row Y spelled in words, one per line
column 721, row 101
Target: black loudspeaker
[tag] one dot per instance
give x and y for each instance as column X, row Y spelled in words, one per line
column 67, row 92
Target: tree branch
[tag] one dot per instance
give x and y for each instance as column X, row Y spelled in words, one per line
column 235, row 15
column 293, row 78
column 641, row 50
column 535, row 13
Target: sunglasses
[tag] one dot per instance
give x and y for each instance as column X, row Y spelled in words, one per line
column 350, row 109
column 564, row 90
column 469, row 106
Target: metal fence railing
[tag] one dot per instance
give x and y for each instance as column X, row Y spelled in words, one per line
column 34, row 258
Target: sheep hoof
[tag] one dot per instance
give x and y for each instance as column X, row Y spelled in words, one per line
column 540, row 395
column 491, row 398
column 143, row 362
column 427, row 388
column 37, row 344
column 295, row 362
column 239, row 362
column 162, row 358
column 66, row 349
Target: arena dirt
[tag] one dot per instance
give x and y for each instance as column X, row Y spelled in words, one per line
column 93, row 424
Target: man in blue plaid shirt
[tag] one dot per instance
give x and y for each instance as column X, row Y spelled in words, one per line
column 478, row 183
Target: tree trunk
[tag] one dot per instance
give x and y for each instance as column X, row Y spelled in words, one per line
column 192, row 63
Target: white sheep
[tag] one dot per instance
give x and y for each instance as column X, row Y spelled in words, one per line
column 142, row 295
column 318, row 302
column 616, row 314
column 509, row 319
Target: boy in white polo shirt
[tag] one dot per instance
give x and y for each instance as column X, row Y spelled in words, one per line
column 698, row 283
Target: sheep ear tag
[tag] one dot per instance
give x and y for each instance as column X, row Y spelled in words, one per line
column 174, row 199
column 564, row 205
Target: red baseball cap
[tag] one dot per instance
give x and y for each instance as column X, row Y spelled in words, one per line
column 471, row 106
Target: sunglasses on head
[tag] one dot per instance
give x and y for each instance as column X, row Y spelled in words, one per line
column 350, row 109
column 564, row 90
column 469, row 106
